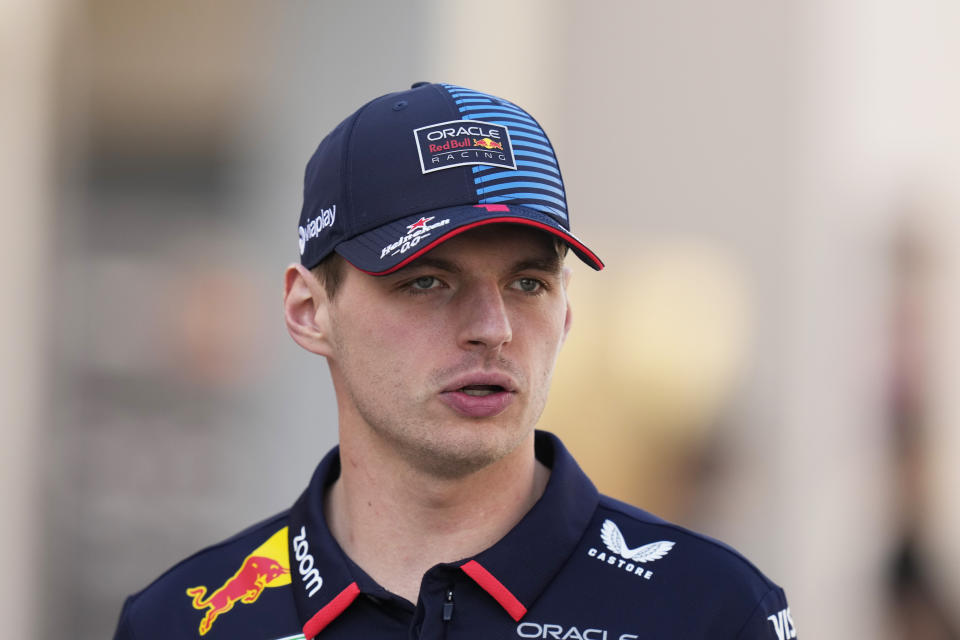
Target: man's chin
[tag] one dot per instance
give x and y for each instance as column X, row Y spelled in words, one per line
column 465, row 454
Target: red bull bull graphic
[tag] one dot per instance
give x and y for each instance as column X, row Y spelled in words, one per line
column 487, row 143
column 267, row 566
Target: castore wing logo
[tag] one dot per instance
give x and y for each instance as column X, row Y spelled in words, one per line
column 611, row 536
column 623, row 557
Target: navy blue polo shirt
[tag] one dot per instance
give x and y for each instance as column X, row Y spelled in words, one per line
column 578, row 566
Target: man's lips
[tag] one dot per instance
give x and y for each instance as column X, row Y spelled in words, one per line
column 479, row 395
column 481, row 381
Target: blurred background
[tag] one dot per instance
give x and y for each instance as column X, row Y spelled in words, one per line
column 770, row 357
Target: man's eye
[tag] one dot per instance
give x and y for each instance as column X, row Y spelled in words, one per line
column 424, row 282
column 528, row 285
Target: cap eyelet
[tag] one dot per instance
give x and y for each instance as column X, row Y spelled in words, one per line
column 401, row 104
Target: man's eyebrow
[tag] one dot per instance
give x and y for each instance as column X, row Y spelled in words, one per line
column 550, row 264
column 435, row 263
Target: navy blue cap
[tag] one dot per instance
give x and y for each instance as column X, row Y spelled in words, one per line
column 412, row 169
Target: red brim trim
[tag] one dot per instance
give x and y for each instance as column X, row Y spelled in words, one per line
column 580, row 247
column 495, row 588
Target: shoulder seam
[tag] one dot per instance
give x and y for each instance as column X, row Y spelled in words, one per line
column 753, row 612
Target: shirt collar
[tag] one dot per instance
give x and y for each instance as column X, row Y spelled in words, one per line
column 549, row 533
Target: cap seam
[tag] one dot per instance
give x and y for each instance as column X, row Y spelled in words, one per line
column 466, row 174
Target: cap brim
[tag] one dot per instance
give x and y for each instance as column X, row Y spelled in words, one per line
column 395, row 245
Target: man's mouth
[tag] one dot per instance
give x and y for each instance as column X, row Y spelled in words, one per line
column 479, row 390
column 480, row 394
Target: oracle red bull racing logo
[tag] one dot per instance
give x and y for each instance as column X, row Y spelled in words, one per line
column 267, row 566
column 463, row 142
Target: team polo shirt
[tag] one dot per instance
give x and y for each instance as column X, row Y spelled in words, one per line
column 578, row 566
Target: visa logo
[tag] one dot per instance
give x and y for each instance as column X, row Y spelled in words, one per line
column 783, row 624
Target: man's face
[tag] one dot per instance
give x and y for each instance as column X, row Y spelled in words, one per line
column 448, row 361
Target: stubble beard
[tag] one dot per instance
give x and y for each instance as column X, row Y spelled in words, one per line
column 449, row 447
column 442, row 448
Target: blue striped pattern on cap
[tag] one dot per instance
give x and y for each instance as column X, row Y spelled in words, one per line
column 536, row 182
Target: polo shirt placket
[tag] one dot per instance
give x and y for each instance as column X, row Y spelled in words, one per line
column 487, row 594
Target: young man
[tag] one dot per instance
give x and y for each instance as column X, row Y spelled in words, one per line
column 431, row 278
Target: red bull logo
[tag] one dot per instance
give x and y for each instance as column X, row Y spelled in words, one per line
column 462, row 143
column 487, row 143
column 267, row 566
column 449, row 145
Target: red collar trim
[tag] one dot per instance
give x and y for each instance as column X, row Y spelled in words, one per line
column 495, row 588
column 474, row 569
column 330, row 612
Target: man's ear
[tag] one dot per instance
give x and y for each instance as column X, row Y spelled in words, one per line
column 568, row 318
column 306, row 308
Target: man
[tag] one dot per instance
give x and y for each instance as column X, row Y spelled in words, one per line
column 432, row 239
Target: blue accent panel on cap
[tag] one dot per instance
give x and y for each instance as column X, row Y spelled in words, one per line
column 461, row 91
column 514, row 120
column 499, row 111
column 497, row 118
column 539, row 165
column 533, row 154
column 513, row 174
column 523, row 197
column 502, row 110
column 480, row 99
column 487, row 188
column 546, row 167
column 522, row 164
column 516, row 184
column 530, row 136
column 529, row 145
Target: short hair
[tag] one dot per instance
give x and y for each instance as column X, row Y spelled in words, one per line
column 330, row 273
column 330, row 270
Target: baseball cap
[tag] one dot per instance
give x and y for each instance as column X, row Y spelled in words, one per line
column 410, row 170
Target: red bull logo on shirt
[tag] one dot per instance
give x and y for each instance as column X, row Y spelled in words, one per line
column 267, row 566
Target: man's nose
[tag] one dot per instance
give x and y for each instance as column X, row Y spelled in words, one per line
column 484, row 318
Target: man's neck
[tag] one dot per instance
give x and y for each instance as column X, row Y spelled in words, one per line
column 396, row 521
